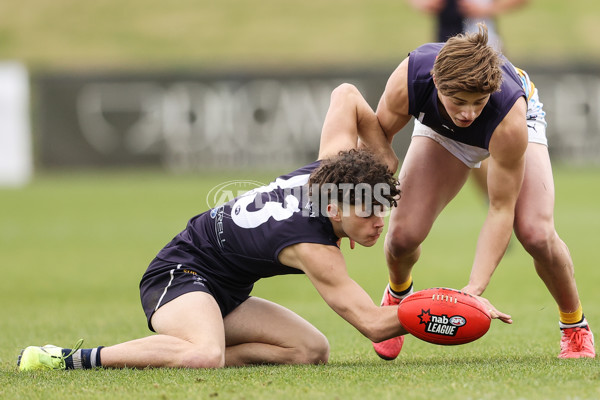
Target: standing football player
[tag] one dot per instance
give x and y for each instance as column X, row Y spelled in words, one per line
column 470, row 103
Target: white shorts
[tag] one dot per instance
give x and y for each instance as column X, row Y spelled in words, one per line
column 472, row 156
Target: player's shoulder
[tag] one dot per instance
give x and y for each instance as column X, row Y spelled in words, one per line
column 423, row 57
column 510, row 137
column 295, row 178
column 303, row 170
column 427, row 49
column 516, row 115
column 395, row 95
column 417, row 63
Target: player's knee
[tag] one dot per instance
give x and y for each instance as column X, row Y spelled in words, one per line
column 317, row 352
column 346, row 93
column 211, row 357
column 400, row 242
column 313, row 350
column 344, row 90
column 536, row 238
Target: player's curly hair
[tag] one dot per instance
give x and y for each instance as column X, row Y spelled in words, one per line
column 467, row 63
column 352, row 169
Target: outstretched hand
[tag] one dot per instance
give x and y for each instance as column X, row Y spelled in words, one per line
column 494, row 312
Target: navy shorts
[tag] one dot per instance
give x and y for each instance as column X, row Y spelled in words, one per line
column 165, row 281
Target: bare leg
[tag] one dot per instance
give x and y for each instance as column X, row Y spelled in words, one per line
column 479, row 176
column 534, row 227
column 259, row 332
column 190, row 334
column 430, row 178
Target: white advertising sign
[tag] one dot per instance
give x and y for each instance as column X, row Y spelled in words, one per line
column 16, row 163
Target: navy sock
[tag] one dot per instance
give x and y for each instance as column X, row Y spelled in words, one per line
column 83, row 358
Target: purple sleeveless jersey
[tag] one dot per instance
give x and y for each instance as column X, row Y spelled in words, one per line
column 239, row 242
column 423, row 99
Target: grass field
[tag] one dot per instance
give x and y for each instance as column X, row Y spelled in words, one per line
column 74, row 245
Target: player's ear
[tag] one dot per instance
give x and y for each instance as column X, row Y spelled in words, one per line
column 333, row 212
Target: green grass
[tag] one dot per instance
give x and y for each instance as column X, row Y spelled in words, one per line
column 73, row 247
column 269, row 34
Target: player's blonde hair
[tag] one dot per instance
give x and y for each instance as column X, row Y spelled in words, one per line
column 467, row 63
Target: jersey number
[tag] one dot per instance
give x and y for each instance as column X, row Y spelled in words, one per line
column 275, row 209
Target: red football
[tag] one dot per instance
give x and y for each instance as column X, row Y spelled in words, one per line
column 444, row 316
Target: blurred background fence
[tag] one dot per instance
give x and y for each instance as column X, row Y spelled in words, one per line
column 194, row 122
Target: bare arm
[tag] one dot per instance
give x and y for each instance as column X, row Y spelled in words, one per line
column 350, row 121
column 505, row 176
column 392, row 110
column 428, row 6
column 326, row 268
column 476, row 9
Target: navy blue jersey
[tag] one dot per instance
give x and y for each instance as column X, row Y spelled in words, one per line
column 449, row 21
column 423, row 99
column 239, row 242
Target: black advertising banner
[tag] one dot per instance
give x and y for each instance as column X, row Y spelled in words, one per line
column 187, row 122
